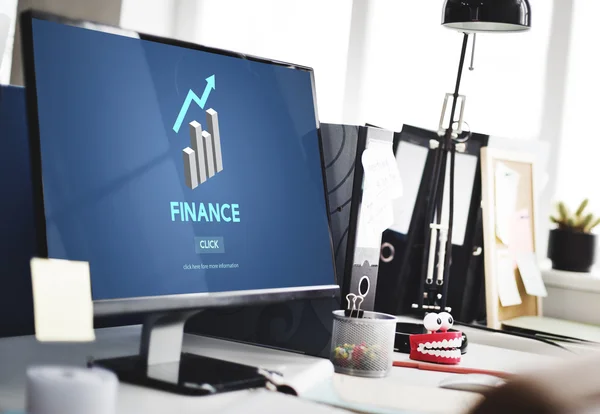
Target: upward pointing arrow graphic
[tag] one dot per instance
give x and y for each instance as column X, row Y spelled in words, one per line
column 191, row 96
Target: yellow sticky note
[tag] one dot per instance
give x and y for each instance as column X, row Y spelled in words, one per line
column 62, row 300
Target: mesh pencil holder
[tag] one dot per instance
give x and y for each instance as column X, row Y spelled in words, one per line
column 363, row 347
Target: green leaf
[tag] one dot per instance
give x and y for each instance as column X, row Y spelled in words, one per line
column 582, row 207
column 594, row 224
column 585, row 222
column 563, row 211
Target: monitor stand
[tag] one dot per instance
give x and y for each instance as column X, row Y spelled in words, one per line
column 162, row 365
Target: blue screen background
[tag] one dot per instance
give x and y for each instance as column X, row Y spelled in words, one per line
column 112, row 163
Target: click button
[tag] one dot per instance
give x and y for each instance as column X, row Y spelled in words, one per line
column 209, row 245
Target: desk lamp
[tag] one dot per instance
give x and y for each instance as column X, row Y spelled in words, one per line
column 468, row 17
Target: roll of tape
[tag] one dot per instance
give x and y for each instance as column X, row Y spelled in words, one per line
column 71, row 390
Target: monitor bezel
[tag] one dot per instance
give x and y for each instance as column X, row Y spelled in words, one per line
column 180, row 302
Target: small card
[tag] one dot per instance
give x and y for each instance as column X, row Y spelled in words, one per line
column 508, row 291
column 531, row 274
column 62, row 300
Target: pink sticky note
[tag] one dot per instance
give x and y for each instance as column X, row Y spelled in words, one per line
column 521, row 233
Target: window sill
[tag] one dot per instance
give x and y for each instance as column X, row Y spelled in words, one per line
column 572, row 296
column 585, row 282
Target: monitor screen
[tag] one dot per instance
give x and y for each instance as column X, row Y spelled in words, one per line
column 176, row 169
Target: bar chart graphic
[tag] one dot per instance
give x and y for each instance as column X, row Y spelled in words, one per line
column 203, row 158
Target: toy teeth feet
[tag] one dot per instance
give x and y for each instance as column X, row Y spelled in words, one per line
column 437, row 345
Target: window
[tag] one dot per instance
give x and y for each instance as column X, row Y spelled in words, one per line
column 578, row 166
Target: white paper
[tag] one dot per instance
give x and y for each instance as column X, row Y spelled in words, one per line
column 395, row 396
column 410, row 161
column 375, row 216
column 381, row 185
column 366, row 235
column 465, row 167
column 531, row 274
column 379, row 213
column 381, row 170
column 268, row 402
column 506, row 188
column 4, row 30
column 62, row 300
column 508, row 291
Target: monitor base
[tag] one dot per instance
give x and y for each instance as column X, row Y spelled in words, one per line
column 192, row 375
column 162, row 365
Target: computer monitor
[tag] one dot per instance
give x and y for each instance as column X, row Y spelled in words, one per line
column 188, row 177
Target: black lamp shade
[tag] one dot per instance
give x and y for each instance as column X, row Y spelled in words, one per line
column 487, row 15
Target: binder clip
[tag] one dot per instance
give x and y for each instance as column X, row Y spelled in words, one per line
column 274, row 382
column 354, row 302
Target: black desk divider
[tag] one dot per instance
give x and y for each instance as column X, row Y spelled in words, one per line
column 362, row 262
column 340, row 145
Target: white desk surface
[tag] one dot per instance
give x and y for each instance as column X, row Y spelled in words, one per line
column 18, row 353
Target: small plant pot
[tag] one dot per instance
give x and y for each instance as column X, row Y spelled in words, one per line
column 572, row 251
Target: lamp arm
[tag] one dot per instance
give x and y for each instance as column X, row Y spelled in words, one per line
column 457, row 88
column 445, row 254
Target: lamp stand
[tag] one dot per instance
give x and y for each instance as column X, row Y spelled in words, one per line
column 438, row 221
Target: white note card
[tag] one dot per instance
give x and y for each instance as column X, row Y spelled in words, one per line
column 508, row 291
column 531, row 274
column 62, row 300
column 506, row 188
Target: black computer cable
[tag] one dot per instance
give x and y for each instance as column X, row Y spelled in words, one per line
column 512, row 333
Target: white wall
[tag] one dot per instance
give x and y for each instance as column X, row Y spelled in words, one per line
column 148, row 16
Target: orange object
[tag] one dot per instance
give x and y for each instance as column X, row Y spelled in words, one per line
column 452, row 369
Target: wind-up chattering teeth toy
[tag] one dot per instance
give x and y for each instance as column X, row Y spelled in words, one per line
column 437, row 345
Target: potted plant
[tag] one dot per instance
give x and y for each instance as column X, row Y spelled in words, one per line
column 571, row 245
